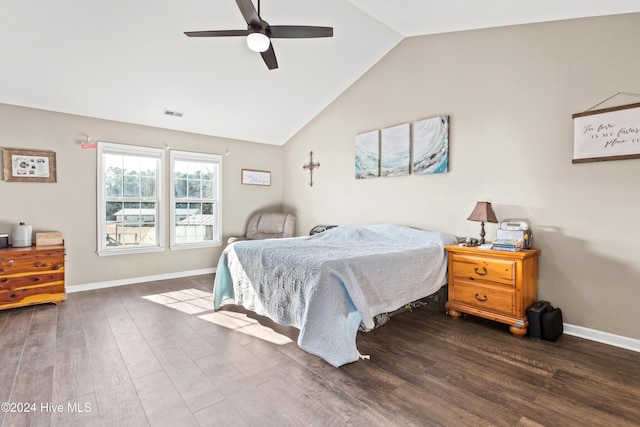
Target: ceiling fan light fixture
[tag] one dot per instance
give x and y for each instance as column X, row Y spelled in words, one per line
column 258, row 41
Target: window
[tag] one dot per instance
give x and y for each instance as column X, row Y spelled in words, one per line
column 195, row 200
column 130, row 202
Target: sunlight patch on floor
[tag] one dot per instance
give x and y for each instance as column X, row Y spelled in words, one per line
column 195, row 301
column 242, row 323
column 190, row 301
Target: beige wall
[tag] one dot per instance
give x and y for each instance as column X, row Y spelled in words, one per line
column 510, row 94
column 69, row 205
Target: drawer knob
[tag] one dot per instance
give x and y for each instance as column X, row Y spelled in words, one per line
column 480, row 273
column 483, row 299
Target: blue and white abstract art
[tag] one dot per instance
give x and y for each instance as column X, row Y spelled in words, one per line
column 431, row 145
column 368, row 155
column 396, row 151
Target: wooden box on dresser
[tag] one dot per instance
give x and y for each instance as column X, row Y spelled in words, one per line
column 496, row 285
column 31, row 275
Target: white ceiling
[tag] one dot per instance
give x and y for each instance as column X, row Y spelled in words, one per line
column 129, row 61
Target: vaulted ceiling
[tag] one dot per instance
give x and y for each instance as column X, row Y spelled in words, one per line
column 129, row 60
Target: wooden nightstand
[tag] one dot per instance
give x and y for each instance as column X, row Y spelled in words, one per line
column 496, row 285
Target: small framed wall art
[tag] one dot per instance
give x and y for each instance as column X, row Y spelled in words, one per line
column 256, row 177
column 29, row 165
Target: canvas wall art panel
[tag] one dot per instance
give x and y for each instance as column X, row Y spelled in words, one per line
column 431, row 145
column 368, row 155
column 395, row 150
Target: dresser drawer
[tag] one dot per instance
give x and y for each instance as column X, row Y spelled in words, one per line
column 26, row 281
column 482, row 295
column 34, row 295
column 18, row 265
column 493, row 270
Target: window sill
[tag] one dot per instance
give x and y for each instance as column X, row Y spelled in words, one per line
column 199, row 245
column 126, row 251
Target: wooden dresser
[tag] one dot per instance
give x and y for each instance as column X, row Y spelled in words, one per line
column 31, row 275
column 496, row 285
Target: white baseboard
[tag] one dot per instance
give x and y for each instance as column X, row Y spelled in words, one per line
column 578, row 331
column 134, row 280
column 602, row 337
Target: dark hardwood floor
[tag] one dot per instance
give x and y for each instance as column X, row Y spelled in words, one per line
column 156, row 354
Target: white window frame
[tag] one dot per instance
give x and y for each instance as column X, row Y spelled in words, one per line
column 155, row 153
column 215, row 159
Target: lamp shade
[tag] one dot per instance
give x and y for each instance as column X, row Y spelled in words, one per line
column 483, row 212
column 258, row 41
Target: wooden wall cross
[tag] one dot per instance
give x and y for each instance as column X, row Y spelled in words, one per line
column 311, row 166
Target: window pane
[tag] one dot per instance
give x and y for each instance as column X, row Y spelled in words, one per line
column 113, row 175
column 113, row 211
column 180, row 188
column 181, row 212
column 131, row 186
column 113, row 185
column 195, row 208
column 207, row 208
column 130, row 164
column 181, row 169
column 148, row 224
column 195, row 171
column 207, row 189
column 148, row 186
column 147, row 167
column 194, row 189
column 208, row 171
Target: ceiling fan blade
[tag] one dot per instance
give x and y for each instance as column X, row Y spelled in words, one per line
column 269, row 57
column 249, row 13
column 216, row 33
column 299, row 31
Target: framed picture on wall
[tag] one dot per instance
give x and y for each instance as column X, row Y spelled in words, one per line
column 29, row 165
column 256, row 177
column 607, row 134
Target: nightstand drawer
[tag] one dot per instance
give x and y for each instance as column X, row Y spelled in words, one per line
column 487, row 297
column 493, row 270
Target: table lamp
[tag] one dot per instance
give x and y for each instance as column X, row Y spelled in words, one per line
column 483, row 213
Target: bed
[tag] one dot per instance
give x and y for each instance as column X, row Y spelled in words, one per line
column 330, row 283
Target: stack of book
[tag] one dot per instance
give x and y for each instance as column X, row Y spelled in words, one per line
column 507, row 245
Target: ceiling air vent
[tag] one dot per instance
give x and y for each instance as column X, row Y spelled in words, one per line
column 172, row 113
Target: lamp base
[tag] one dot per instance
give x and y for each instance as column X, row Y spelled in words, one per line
column 482, row 233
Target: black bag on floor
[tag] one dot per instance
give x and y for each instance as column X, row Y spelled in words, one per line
column 552, row 324
column 534, row 314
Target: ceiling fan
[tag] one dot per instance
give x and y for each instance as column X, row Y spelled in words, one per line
column 259, row 33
